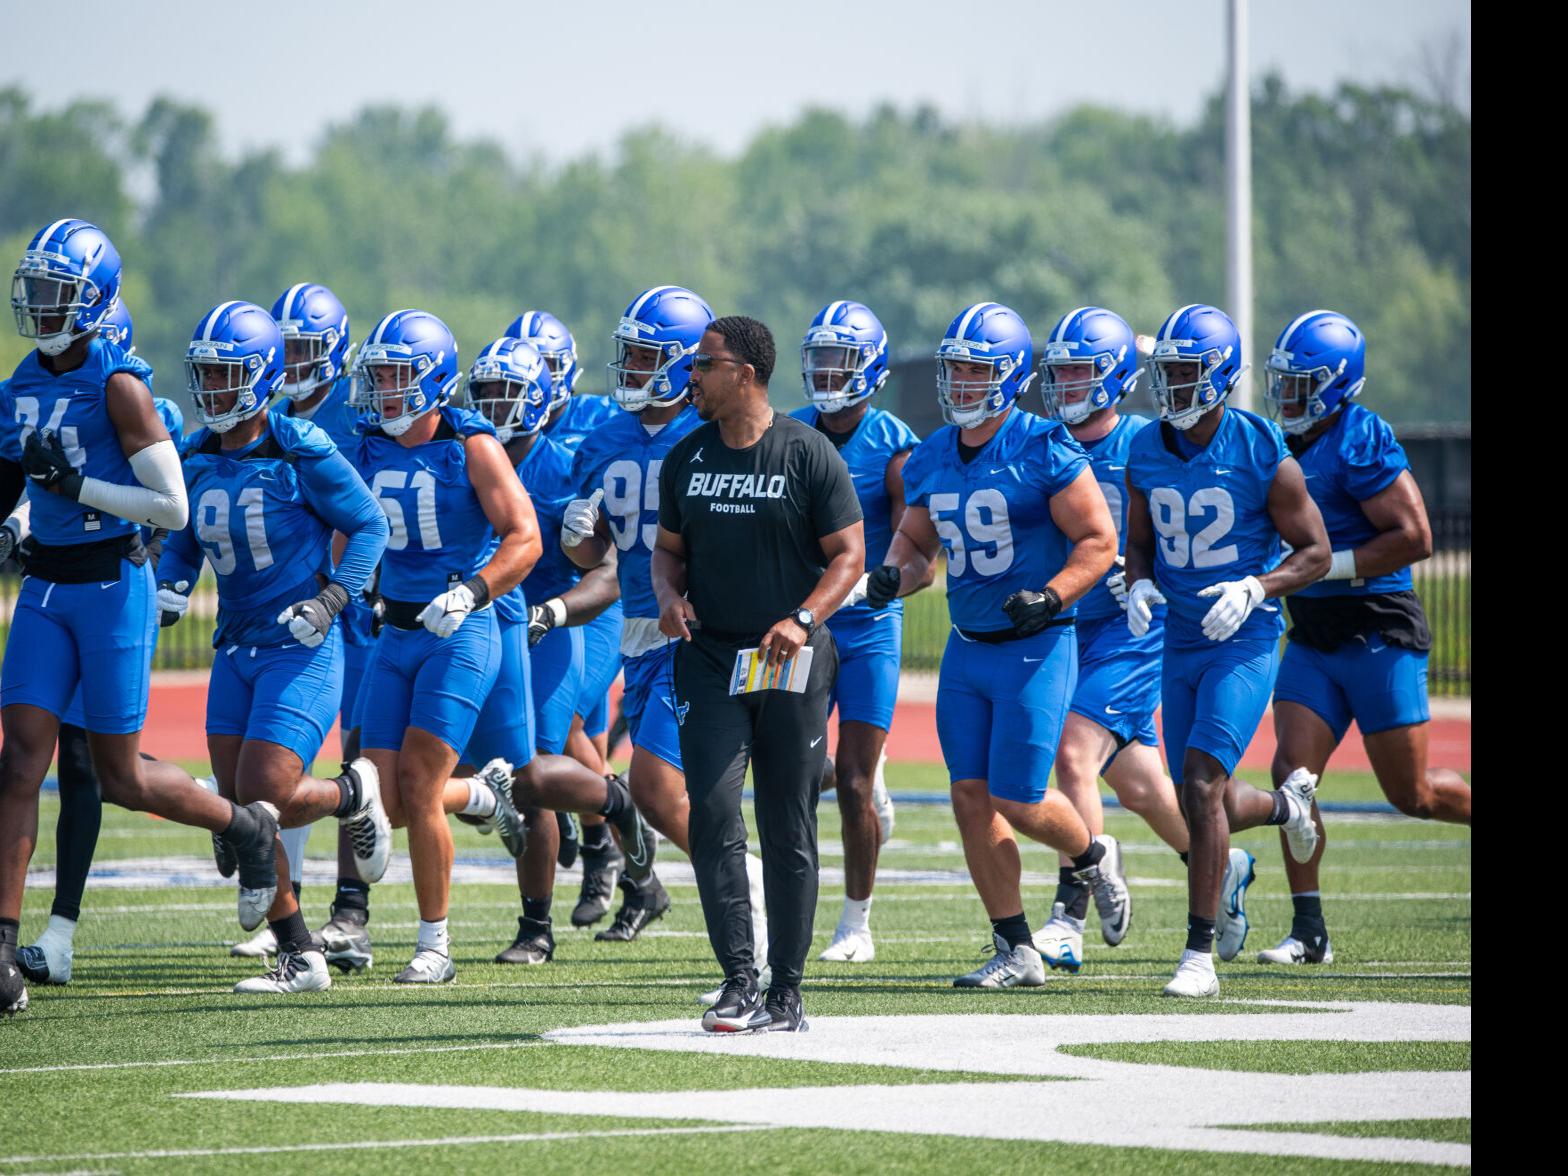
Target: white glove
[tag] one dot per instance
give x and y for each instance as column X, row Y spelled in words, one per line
column 173, row 600
column 1117, row 582
column 582, row 515
column 857, row 594
column 1237, row 599
column 1140, row 599
column 446, row 612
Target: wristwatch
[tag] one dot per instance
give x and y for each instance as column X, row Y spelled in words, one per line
column 804, row 618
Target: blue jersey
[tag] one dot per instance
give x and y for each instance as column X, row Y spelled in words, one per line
column 624, row 460
column 583, row 415
column 1108, row 460
column 1211, row 517
column 993, row 513
column 263, row 517
column 546, row 473
column 1356, row 459
column 440, row 535
column 878, row 438
column 73, row 407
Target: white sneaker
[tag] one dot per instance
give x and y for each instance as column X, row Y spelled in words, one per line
column 1060, row 941
column 1107, row 882
column 1300, row 833
column 258, row 947
column 47, row 960
column 764, row 981
column 304, row 971
column 851, row 945
column 1010, row 967
column 1230, row 924
column 428, row 966
column 369, row 831
column 1292, row 951
column 881, row 801
column 759, row 910
column 1194, row 976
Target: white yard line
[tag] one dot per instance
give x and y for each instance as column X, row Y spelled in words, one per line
column 310, row 1057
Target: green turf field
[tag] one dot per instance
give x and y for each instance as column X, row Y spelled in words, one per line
column 95, row 1076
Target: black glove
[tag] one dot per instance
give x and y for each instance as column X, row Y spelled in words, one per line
column 378, row 616
column 1031, row 612
column 44, row 461
column 155, row 546
column 309, row 621
column 540, row 621
column 882, row 586
column 7, row 542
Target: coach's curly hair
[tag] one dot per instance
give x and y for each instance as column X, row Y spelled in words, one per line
column 750, row 340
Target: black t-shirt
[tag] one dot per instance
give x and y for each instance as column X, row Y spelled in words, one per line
column 753, row 520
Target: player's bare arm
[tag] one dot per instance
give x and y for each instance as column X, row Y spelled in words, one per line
column 846, row 552
column 1079, row 512
column 510, row 512
column 136, row 420
column 667, row 569
column 1404, row 533
column 1140, row 536
column 590, row 552
column 913, row 550
column 599, row 588
column 1299, row 523
column 893, row 480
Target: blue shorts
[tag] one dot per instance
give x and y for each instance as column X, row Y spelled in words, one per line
column 650, row 713
column 1119, row 677
column 283, row 694
column 355, row 659
column 1000, row 709
column 96, row 636
column 1214, row 697
column 1378, row 685
column 870, row 646
column 556, row 664
column 601, row 663
column 438, row 684
column 505, row 727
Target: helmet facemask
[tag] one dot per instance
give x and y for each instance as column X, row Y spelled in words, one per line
column 1184, row 385
column 223, row 386
column 640, row 376
column 52, row 308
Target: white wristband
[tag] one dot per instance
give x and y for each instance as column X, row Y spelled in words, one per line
column 557, row 608
column 1343, row 566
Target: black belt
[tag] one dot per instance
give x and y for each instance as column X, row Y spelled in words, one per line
column 1000, row 636
column 404, row 614
column 82, row 563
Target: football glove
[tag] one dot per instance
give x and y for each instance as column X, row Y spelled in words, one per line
column 1237, row 599
column 445, row 613
column 173, row 600
column 857, row 594
column 544, row 617
column 1140, row 599
column 1117, row 583
column 1031, row 612
column 882, row 585
column 309, row 621
column 45, row 462
column 7, row 541
column 580, row 519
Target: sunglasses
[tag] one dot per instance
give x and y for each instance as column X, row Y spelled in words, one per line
column 702, row 362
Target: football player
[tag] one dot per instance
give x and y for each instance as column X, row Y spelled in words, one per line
column 844, row 363
column 270, row 492
column 1358, row 642
column 572, row 416
column 1211, row 493
column 99, row 463
column 1013, row 502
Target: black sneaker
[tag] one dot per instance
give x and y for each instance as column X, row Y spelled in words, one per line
column 345, row 939
column 642, row 906
column 601, row 871
column 497, row 777
column 739, row 1008
column 535, row 944
column 637, row 836
column 257, row 859
column 783, row 1006
column 13, row 989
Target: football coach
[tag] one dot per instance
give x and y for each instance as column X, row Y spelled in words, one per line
column 760, row 539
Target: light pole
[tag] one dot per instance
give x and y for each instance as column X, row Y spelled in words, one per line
column 1238, row 191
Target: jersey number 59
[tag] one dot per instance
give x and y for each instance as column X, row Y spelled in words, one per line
column 989, row 546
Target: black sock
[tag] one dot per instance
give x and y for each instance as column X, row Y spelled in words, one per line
column 292, row 933
column 348, row 794
column 1089, row 857
column 1183, row 855
column 1200, row 934
column 8, row 932
column 537, row 910
column 352, row 895
column 1072, row 894
column 1281, row 812
column 296, row 887
column 596, row 837
column 1014, row 929
column 1308, row 920
column 243, row 825
column 617, row 800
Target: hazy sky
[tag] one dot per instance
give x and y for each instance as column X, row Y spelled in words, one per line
column 564, row 78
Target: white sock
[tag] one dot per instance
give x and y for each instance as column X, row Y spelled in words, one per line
column 294, row 846
column 481, row 801
column 60, row 930
column 432, row 936
column 857, row 914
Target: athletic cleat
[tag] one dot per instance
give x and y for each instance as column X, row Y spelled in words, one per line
column 369, row 831
column 764, row 982
column 881, row 801
column 304, row 971
column 1316, row 950
column 571, row 840
column 1060, row 941
column 497, row 777
column 642, row 905
column 637, row 837
column 1230, row 925
column 13, row 989
column 785, row 1012
column 1300, row 832
column 428, row 966
column 535, row 944
column 851, row 945
column 1010, row 967
column 221, row 853
column 601, row 870
column 739, row 1007
column 258, row 947
column 46, row 962
column 1194, row 977
column 345, row 940
column 258, row 862
column 1108, row 883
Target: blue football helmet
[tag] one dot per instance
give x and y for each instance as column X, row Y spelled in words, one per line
column 65, row 285
column 510, row 385
column 419, row 355
column 843, row 358
column 1100, row 340
column 654, row 343
column 117, row 329
column 555, row 343
column 991, row 334
column 233, row 364
column 1197, row 335
column 1318, row 364
column 315, row 333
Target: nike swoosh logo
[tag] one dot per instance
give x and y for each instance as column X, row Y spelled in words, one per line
column 881, row 616
column 1220, row 471
column 818, row 740
column 1115, row 467
column 1112, row 711
column 1034, row 659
